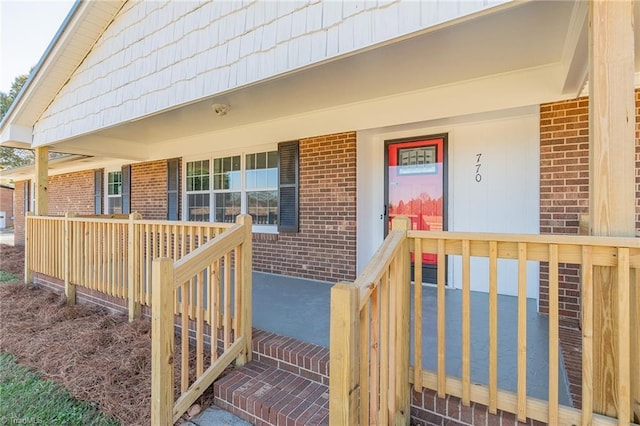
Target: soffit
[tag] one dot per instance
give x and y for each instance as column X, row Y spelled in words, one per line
column 74, row 40
column 523, row 36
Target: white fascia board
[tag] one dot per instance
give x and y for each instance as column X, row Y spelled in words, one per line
column 16, row 136
column 575, row 56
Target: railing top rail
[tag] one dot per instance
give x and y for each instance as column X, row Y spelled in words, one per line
column 95, row 220
column 584, row 240
column 224, row 225
column 109, row 219
column 194, row 262
column 30, row 217
column 373, row 272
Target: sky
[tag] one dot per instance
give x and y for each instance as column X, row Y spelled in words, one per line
column 26, row 29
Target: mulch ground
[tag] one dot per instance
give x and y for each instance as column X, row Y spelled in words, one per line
column 97, row 356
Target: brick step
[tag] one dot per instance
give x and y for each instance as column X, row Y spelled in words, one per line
column 264, row 394
column 304, row 359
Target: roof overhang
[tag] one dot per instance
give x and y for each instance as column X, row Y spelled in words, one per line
column 60, row 165
column 80, row 30
column 503, row 50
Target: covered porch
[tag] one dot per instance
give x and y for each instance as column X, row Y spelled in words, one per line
column 494, row 350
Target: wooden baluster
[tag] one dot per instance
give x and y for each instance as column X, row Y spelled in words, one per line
column 553, row 334
column 442, row 372
column 200, row 326
column 184, row 339
column 586, row 293
column 417, row 323
column 493, row 327
column 466, row 322
column 374, row 406
column 384, row 349
column 623, row 319
column 227, row 301
column 522, row 332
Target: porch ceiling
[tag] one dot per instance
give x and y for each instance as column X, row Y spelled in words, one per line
column 520, row 36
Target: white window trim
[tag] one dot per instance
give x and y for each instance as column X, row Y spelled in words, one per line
column 259, row 229
column 105, row 183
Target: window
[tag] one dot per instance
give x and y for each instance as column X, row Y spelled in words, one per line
column 114, row 192
column 261, row 179
column 226, row 187
column 198, row 191
column 239, row 184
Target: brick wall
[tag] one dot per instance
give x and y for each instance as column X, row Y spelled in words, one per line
column 149, row 189
column 6, row 204
column 325, row 247
column 564, row 187
column 71, row 192
column 68, row 192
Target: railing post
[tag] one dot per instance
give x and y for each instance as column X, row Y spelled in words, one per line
column 162, row 343
column 69, row 289
column 343, row 363
column 133, row 246
column 403, row 322
column 28, row 272
column 246, row 284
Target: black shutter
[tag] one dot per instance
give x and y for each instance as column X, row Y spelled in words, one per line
column 27, row 196
column 97, row 191
column 288, row 166
column 172, row 188
column 126, row 189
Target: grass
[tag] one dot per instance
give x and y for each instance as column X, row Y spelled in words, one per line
column 26, row 398
column 7, row 277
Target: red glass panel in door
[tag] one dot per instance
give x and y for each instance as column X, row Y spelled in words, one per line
column 416, row 183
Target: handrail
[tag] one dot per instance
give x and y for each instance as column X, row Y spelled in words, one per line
column 372, row 273
column 533, row 238
column 368, row 319
column 198, row 274
column 204, row 255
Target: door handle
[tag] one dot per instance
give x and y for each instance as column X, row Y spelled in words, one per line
column 384, row 213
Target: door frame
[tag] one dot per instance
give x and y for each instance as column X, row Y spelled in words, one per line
column 445, row 184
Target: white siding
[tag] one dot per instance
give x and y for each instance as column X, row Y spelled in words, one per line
column 158, row 54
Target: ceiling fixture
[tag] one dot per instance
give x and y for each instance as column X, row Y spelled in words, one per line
column 221, row 109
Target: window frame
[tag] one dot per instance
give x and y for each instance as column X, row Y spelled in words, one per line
column 257, row 228
column 108, row 197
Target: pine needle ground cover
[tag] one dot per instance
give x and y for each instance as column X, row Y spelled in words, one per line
column 97, row 356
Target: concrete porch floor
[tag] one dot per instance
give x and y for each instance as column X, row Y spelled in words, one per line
column 299, row 308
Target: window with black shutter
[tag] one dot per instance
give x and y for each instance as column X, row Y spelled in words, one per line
column 172, row 188
column 126, row 189
column 97, row 191
column 288, row 158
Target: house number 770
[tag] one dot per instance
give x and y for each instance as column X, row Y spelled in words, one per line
column 478, row 164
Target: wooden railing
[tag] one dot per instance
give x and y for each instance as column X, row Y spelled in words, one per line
column 199, row 271
column 369, row 339
column 110, row 255
column 215, row 280
column 370, row 326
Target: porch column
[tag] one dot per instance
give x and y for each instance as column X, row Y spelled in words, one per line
column 611, row 189
column 41, row 182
